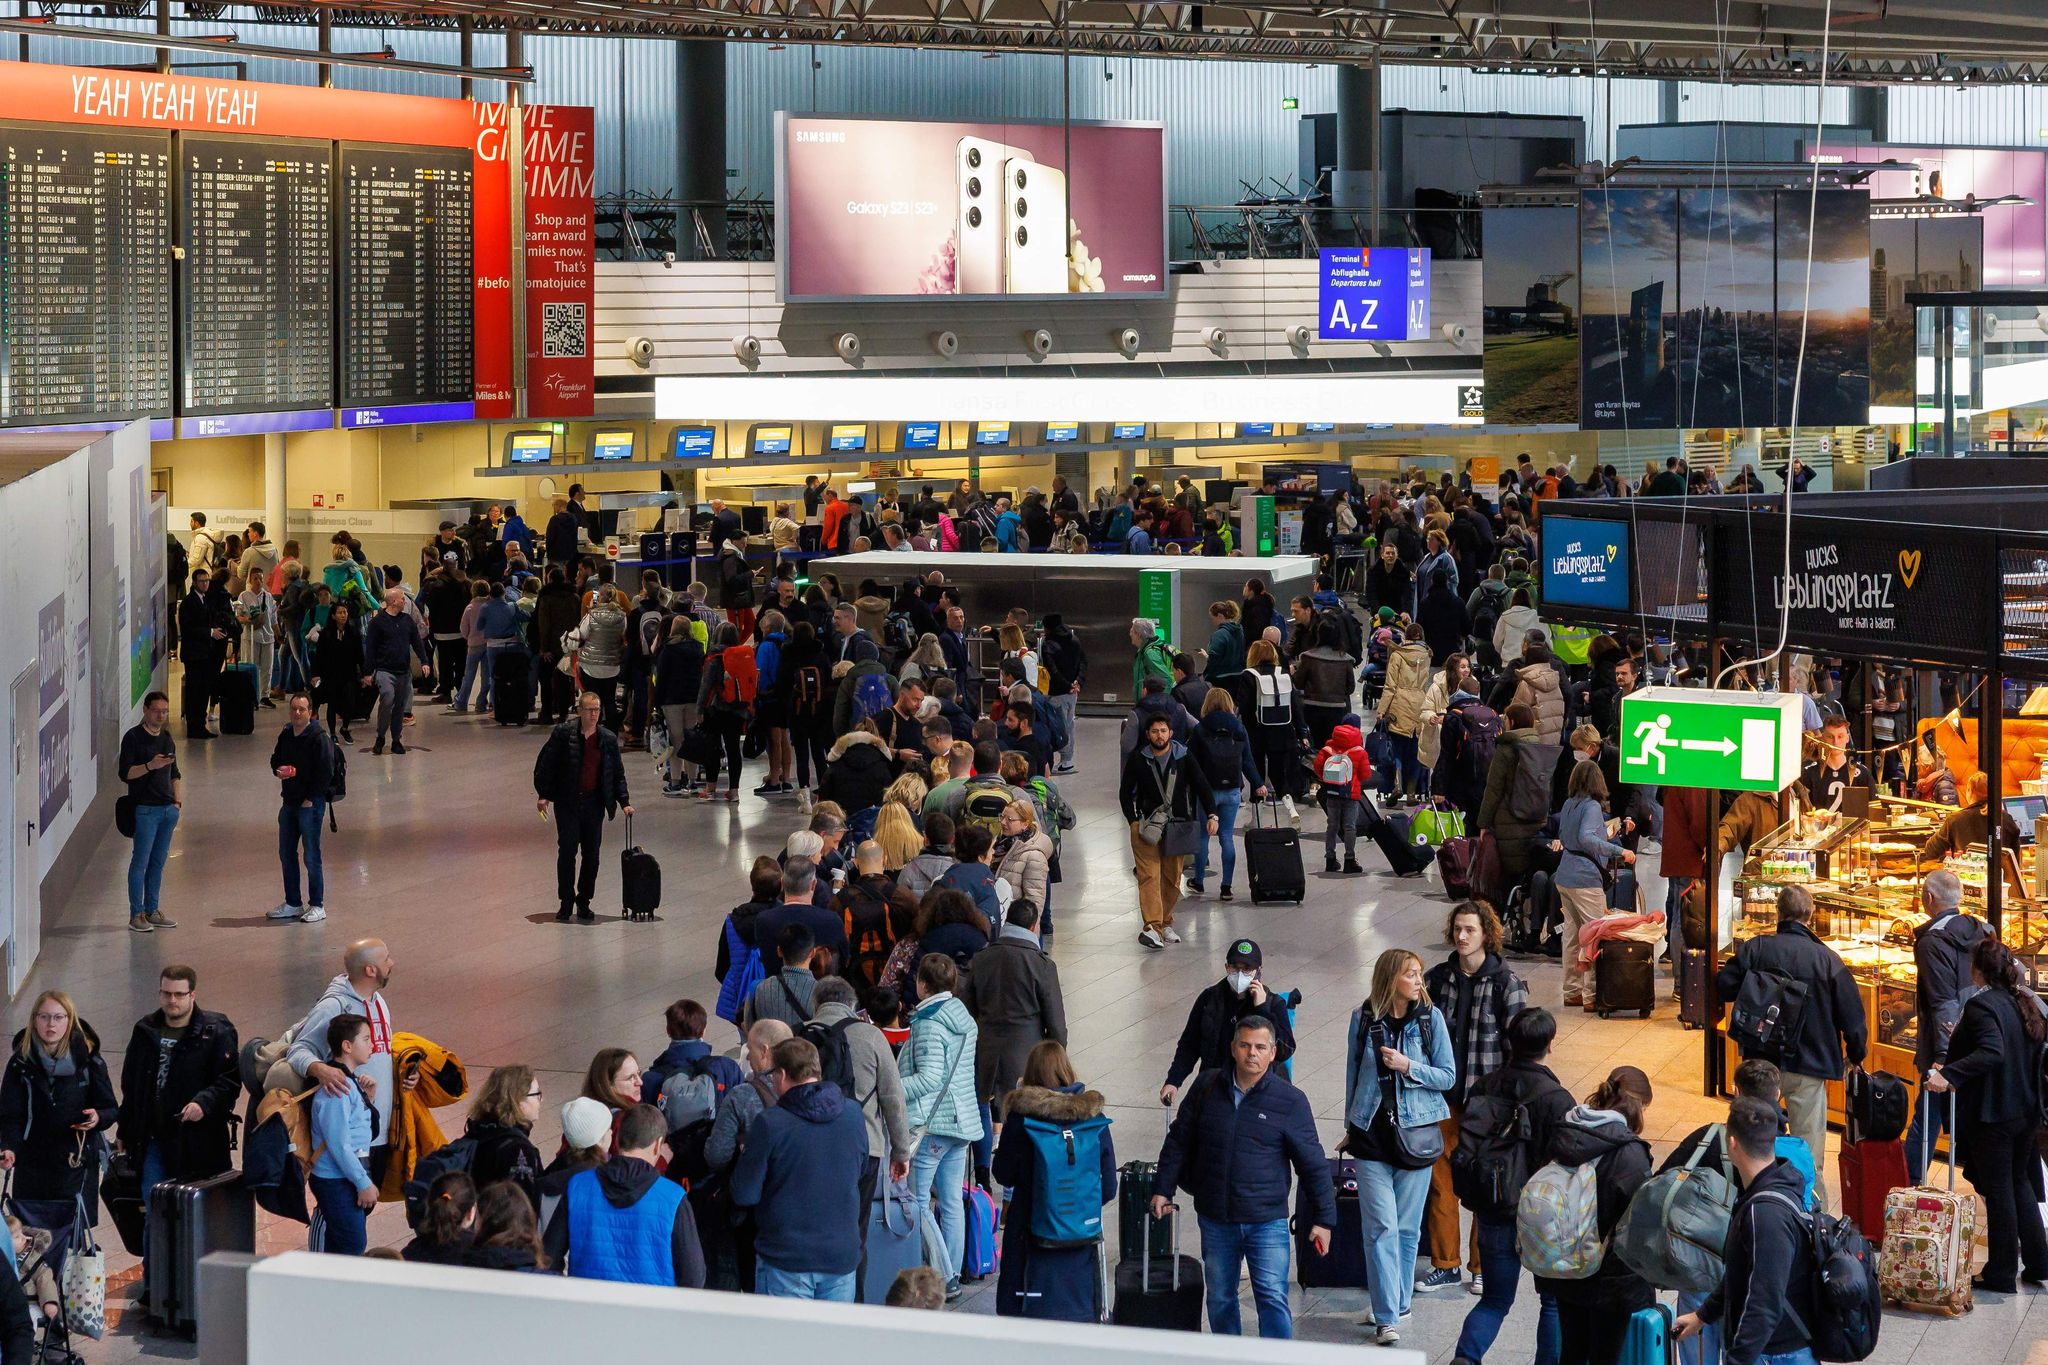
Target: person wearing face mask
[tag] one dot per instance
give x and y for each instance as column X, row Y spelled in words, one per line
column 1212, row 1022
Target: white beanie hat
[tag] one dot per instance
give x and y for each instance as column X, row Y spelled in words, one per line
column 585, row 1123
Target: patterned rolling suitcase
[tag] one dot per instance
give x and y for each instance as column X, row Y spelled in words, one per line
column 1929, row 1236
column 187, row 1221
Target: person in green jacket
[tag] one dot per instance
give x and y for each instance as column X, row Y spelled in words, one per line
column 1153, row 657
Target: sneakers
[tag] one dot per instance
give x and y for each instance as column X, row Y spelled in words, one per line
column 1224, row 894
column 1329, row 862
column 803, row 801
column 286, row 911
column 583, row 913
column 1064, row 770
column 314, row 914
column 768, row 789
column 562, row 915
column 1194, row 886
column 397, row 746
column 1443, row 1278
column 159, row 920
column 1150, row 938
column 1169, row 934
column 1385, row 1335
column 675, row 791
column 1477, row 1285
column 378, row 747
column 139, row 924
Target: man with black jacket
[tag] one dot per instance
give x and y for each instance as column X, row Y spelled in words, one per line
column 1060, row 653
column 581, row 773
column 1156, row 777
column 1942, row 946
column 1237, row 1134
column 1769, row 1248
column 179, row 1082
column 204, row 629
column 1212, row 1022
column 391, row 642
column 304, row 767
column 1831, row 1026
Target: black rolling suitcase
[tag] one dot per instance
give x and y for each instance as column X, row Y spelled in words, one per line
column 237, row 697
column 187, row 1221
column 1160, row 1291
column 1343, row 1267
column 1624, row 978
column 1138, row 1233
column 1692, row 988
column 639, row 879
column 1406, row 859
column 512, row 687
column 1272, row 857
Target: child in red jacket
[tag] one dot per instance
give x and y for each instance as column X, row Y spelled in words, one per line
column 1343, row 770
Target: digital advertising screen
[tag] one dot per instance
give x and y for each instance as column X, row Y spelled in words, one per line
column 920, row 435
column 1058, row 432
column 849, row 436
column 1126, row 431
column 771, row 440
column 906, row 209
column 991, row 433
column 2015, row 250
column 1312, row 428
column 692, row 443
column 529, row 447
column 1585, row 563
column 1255, row 428
column 611, row 445
column 1373, row 294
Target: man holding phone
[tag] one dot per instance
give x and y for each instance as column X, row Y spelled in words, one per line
column 302, row 766
column 156, row 793
column 1237, row 1134
column 1205, row 1042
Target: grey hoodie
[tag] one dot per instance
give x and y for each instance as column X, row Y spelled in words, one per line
column 920, row 872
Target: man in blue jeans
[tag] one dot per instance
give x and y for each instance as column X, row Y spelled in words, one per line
column 301, row 763
column 1238, row 1131
column 800, row 1174
column 149, row 765
column 179, row 1083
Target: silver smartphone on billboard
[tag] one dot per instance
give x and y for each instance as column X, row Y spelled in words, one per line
column 979, row 167
column 1035, row 234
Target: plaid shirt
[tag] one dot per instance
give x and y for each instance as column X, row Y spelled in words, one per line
column 1481, row 1047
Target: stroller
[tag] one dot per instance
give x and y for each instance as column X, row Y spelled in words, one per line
column 56, row 1230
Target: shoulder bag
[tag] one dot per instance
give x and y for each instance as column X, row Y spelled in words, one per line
column 1419, row 1146
column 1152, row 829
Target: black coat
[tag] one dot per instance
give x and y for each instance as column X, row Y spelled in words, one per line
column 859, row 774
column 1993, row 1064
column 1212, row 1023
column 1941, row 968
column 504, row 1153
column 558, row 771
column 1033, row 1281
column 1768, row 1246
column 37, row 1111
column 1833, row 1023
column 203, row 1071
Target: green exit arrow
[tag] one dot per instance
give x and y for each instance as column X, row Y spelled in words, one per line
column 1718, row 740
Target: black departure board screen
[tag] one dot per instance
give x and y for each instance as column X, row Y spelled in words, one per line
column 407, row 272
column 256, row 296
column 85, row 275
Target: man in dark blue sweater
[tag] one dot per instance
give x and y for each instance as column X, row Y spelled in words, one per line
column 800, row 1174
column 390, row 644
column 1237, row 1132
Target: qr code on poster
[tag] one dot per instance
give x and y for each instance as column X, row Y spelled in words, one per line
column 564, row 329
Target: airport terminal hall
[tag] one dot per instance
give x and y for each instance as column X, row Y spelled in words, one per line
column 906, row 683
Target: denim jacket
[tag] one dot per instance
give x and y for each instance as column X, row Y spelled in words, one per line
column 1419, row 1095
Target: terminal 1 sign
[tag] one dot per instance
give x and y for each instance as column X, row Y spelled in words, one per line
column 1373, row 294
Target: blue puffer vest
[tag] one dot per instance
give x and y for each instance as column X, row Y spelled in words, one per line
column 630, row 1245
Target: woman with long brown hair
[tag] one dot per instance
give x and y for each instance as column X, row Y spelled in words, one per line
column 1062, row 1282
column 507, row 1237
column 501, row 1120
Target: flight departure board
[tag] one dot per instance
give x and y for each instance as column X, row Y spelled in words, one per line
column 85, row 275
column 256, row 297
column 407, row 275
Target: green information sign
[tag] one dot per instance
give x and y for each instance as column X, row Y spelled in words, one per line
column 1261, row 526
column 1155, row 600
column 1719, row 740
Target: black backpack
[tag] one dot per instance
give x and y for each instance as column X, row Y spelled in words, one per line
column 337, row 778
column 1769, row 1008
column 459, row 1155
column 1222, row 760
column 835, row 1053
column 1492, row 1161
column 1848, row 1308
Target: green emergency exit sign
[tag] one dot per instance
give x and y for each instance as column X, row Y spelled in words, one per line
column 1289, row 102
column 1718, row 740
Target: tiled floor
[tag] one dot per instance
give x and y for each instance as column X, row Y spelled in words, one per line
column 441, row 854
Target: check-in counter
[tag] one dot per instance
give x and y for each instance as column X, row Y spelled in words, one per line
column 1097, row 595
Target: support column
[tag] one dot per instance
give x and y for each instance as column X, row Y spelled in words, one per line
column 1870, row 109
column 273, row 485
column 515, row 121
column 1667, row 102
column 466, row 54
column 1356, row 183
column 700, row 146
column 163, row 29
column 325, row 33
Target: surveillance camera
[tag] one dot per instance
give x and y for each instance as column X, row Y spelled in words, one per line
column 668, row 260
column 746, row 349
column 1298, row 337
column 640, row 351
column 848, row 346
column 1215, row 338
column 946, row 343
column 1454, row 332
column 1038, row 342
column 1128, row 341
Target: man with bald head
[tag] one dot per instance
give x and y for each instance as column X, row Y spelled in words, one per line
column 391, row 642
column 366, row 967
column 738, row 1109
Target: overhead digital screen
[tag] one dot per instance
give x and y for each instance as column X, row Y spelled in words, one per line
column 611, row 445
column 771, row 440
column 1056, row 432
column 849, row 436
column 1313, row 427
column 256, row 295
column 407, row 276
column 1127, row 431
column 920, row 435
column 692, row 443
column 529, row 447
column 85, row 275
column 1255, row 428
column 1585, row 563
column 991, row 433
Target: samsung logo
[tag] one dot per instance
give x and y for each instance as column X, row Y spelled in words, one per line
column 1141, row 279
column 802, row 136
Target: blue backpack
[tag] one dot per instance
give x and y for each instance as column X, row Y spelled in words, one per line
column 870, row 697
column 743, row 972
column 1066, row 1167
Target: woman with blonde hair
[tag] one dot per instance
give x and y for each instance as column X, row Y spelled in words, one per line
column 1399, row 1066
column 501, row 1120
column 897, row 832
column 1010, row 637
column 1024, row 852
column 54, row 1097
column 925, row 663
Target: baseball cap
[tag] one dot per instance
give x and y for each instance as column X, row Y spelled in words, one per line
column 585, row 1123
column 1244, row 953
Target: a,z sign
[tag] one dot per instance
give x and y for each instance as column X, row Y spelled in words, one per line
column 1373, row 294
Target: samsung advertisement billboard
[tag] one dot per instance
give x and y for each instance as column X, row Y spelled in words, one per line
column 914, row 209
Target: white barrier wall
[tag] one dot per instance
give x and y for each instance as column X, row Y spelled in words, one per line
column 331, row 1310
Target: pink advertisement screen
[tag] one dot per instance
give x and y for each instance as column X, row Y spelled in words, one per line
column 873, row 208
column 2015, row 236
